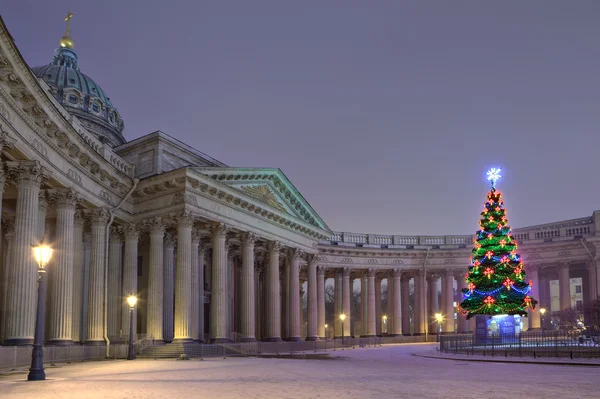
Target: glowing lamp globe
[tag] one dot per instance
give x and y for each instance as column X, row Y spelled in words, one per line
column 42, row 254
column 342, row 317
column 132, row 300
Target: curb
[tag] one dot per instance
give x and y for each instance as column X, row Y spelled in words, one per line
column 508, row 361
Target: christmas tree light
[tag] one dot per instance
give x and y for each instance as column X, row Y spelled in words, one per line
column 495, row 281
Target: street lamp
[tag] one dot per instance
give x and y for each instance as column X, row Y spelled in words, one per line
column 342, row 318
column 542, row 312
column 438, row 318
column 42, row 254
column 131, row 300
column 326, row 331
column 384, row 317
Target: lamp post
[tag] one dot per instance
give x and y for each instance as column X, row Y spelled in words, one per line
column 42, row 254
column 384, row 317
column 131, row 300
column 542, row 312
column 438, row 318
column 342, row 318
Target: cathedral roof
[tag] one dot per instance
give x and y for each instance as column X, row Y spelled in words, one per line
column 81, row 95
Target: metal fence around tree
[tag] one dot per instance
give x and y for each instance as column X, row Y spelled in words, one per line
column 531, row 344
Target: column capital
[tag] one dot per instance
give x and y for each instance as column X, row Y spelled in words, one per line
column 248, row 238
column 99, row 216
column 131, row 231
column 184, row 219
column 371, row 273
column 196, row 237
column 2, row 177
column 397, row 273
column 346, row 272
column 116, row 233
column 63, row 197
column 273, row 246
column 155, row 224
column 169, row 240
column 321, row 271
column 311, row 258
column 27, row 172
column 79, row 218
column 218, row 229
column 294, row 254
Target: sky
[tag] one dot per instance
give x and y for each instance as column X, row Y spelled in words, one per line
column 384, row 114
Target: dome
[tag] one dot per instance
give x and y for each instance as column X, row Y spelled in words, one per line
column 81, row 96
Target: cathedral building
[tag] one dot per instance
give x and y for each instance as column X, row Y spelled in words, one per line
column 213, row 253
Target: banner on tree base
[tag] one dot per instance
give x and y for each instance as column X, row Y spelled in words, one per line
column 500, row 329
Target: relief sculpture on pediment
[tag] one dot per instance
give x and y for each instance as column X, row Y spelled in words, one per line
column 264, row 194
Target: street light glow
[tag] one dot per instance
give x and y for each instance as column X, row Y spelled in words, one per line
column 132, row 300
column 542, row 311
column 42, row 254
column 342, row 317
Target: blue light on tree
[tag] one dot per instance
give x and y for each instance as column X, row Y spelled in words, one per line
column 493, row 175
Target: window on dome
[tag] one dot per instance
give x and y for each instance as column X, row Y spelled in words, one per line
column 73, row 99
column 95, row 107
column 112, row 117
column 71, row 80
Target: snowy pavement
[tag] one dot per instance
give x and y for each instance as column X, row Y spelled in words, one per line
column 382, row 372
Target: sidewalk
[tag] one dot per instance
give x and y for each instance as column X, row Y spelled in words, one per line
column 563, row 361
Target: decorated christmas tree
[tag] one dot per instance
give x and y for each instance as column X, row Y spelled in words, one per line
column 496, row 279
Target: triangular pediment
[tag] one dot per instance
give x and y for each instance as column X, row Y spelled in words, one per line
column 269, row 186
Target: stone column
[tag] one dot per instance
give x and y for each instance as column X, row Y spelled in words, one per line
column 248, row 296
column 273, row 298
column 201, row 284
column 405, row 293
column 321, row 302
column 284, row 281
column 258, row 299
column 130, row 276
column 9, row 231
column 364, row 303
column 42, row 232
column 448, row 301
column 113, row 302
column 22, row 276
column 396, row 300
column 61, row 291
column 312, row 326
column 154, row 325
column 196, row 286
column 564, row 286
column 592, row 281
column 432, row 289
column 390, row 303
column 78, row 266
column 95, row 322
column 371, row 329
column 338, row 303
column 461, row 283
column 346, row 295
column 219, row 299
column 420, row 303
column 183, row 278
column 378, row 306
column 168, row 287
column 294, row 295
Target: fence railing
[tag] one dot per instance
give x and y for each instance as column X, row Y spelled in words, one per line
column 533, row 344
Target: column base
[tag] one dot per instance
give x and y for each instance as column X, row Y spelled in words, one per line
column 418, row 334
column 182, row 340
column 60, row 342
column 293, row 339
column 529, row 329
column 272, row 339
column 393, row 335
column 18, row 342
column 322, row 338
column 312, row 338
column 368, row 336
column 406, row 335
column 94, row 343
column 247, row 339
column 220, row 341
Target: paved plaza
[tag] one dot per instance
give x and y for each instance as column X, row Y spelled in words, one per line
column 382, row 372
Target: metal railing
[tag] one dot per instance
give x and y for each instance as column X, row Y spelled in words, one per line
column 531, row 344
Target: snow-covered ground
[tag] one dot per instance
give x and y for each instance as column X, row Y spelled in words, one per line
column 382, row 372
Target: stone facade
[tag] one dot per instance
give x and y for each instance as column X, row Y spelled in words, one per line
column 214, row 253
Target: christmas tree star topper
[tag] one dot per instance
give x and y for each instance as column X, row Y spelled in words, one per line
column 493, row 175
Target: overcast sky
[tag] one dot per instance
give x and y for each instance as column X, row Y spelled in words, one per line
column 384, row 114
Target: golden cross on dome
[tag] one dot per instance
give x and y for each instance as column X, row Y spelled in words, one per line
column 68, row 19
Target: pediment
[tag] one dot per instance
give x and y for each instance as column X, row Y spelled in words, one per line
column 269, row 186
